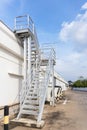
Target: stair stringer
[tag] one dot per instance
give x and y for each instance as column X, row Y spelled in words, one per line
column 45, row 86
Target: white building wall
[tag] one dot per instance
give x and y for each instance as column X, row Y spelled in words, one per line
column 8, row 39
column 58, row 81
column 61, row 84
column 11, row 66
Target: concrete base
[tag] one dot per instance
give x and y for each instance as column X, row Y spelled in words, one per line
column 28, row 122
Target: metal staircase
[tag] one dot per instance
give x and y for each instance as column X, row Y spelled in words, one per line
column 36, row 79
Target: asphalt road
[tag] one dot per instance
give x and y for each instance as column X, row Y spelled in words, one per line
column 69, row 114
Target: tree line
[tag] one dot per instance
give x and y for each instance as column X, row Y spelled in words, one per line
column 80, row 83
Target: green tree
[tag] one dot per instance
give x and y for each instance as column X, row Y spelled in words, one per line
column 80, row 83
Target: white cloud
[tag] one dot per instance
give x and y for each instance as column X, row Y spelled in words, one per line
column 72, row 66
column 69, row 61
column 75, row 31
column 84, row 6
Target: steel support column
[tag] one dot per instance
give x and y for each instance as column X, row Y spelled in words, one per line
column 53, row 85
column 29, row 59
column 25, row 59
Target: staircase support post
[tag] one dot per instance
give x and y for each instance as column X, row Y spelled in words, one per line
column 29, row 59
column 53, row 85
column 25, row 61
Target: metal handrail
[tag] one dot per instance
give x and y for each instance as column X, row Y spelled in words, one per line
column 23, row 90
column 45, row 82
column 25, row 96
column 23, row 22
column 46, row 51
column 26, row 22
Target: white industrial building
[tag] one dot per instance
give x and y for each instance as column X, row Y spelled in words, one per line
column 59, row 82
column 24, row 67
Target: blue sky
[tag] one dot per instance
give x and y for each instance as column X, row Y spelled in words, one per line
column 62, row 22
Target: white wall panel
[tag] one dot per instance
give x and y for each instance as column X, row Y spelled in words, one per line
column 8, row 39
column 11, row 66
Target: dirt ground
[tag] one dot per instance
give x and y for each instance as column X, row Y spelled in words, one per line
column 69, row 114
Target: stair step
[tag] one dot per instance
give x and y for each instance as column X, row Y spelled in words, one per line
column 33, row 89
column 31, row 107
column 34, row 81
column 33, row 45
column 28, row 112
column 33, row 96
column 33, row 49
column 32, row 92
column 33, row 86
column 33, row 60
column 36, row 102
column 33, row 57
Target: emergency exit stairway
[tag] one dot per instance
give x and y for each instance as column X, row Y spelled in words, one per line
column 36, row 80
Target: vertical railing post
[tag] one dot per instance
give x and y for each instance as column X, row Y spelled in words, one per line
column 28, row 18
column 24, row 87
column 53, row 85
column 52, row 69
column 15, row 24
column 6, row 118
column 33, row 29
column 25, row 59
